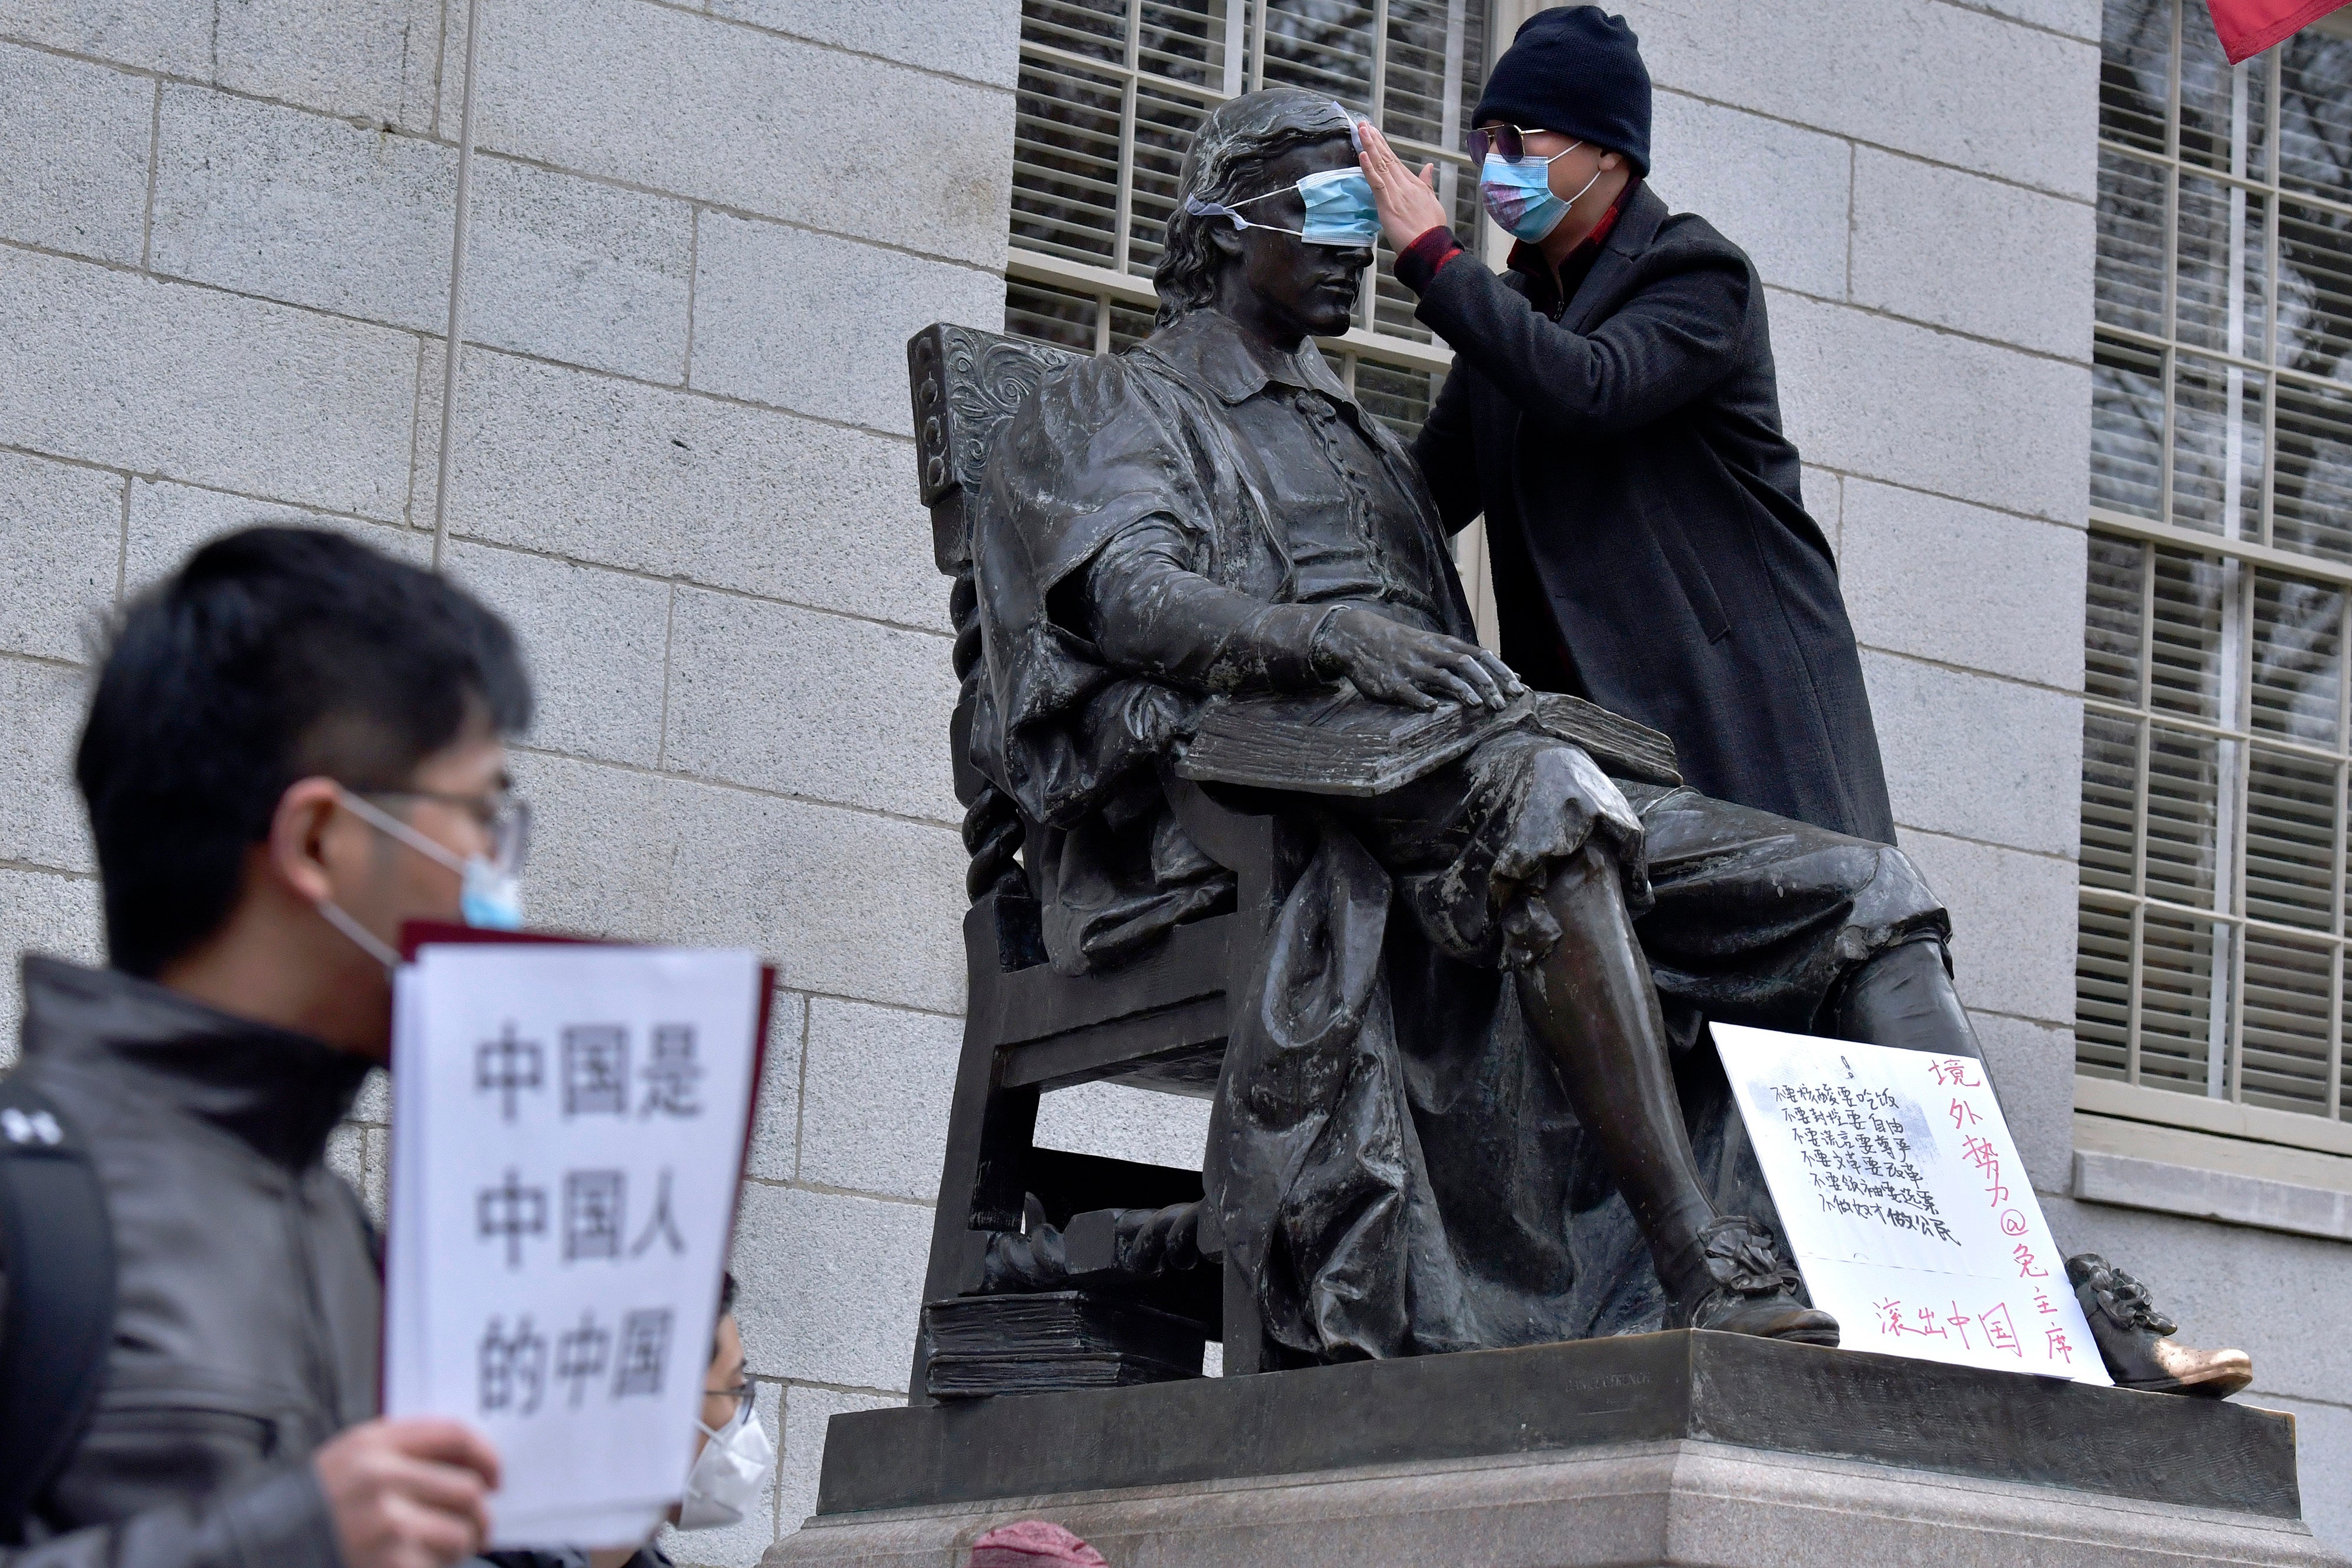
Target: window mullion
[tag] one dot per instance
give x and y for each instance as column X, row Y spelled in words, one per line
column 2340, row 849
column 2335, row 1022
column 2140, row 761
column 2271, row 355
column 2168, row 320
column 1124, row 203
column 1449, row 111
column 1367, row 302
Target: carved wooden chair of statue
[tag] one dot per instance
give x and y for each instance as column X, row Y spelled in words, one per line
column 1156, row 1023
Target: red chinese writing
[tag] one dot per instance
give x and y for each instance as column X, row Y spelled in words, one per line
column 1999, row 1333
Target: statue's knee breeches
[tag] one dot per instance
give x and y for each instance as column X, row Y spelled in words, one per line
column 1759, row 919
column 1474, row 845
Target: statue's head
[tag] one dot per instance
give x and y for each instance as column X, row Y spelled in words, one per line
column 1260, row 145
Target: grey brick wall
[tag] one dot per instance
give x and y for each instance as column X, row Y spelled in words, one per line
column 681, row 464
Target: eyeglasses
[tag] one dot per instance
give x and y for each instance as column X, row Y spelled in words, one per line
column 1511, row 141
column 503, row 817
column 740, row 1394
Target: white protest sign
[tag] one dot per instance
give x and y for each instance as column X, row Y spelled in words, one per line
column 1906, row 1204
column 567, row 1125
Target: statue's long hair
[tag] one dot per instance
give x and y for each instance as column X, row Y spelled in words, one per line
column 1226, row 163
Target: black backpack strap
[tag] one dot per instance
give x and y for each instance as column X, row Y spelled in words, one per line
column 56, row 1296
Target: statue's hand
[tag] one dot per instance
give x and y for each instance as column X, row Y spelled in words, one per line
column 1393, row 663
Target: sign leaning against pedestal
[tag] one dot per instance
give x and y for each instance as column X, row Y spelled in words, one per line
column 1906, row 1204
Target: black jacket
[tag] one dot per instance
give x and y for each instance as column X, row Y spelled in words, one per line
column 246, row 1322
column 1651, row 551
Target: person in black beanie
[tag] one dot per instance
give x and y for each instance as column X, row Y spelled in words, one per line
column 1612, row 411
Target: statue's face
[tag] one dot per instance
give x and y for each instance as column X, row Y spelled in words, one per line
column 1298, row 288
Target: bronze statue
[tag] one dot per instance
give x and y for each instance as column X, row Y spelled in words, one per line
column 1471, row 1024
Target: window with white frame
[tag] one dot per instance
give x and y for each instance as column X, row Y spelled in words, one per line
column 2210, row 977
column 1110, row 94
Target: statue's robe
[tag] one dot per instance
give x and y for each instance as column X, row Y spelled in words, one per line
column 1390, row 1157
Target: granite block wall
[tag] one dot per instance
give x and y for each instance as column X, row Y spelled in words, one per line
column 682, row 465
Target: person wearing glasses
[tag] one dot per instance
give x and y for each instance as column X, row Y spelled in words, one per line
column 1612, row 411
column 295, row 745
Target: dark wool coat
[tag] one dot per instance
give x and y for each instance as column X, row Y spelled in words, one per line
column 1652, row 550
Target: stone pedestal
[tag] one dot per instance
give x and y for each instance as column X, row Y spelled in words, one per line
column 1652, row 1449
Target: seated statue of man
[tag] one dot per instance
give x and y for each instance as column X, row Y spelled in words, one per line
column 1455, row 1062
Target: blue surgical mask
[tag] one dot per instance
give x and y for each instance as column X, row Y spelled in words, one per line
column 1341, row 210
column 490, row 897
column 1519, row 196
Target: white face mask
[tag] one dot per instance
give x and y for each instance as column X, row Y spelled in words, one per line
column 725, row 1483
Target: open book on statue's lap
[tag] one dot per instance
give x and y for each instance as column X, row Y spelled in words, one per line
column 1334, row 741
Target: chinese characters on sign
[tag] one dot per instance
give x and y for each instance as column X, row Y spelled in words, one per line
column 567, row 1125
column 1905, row 1203
column 1855, row 1154
column 595, row 1071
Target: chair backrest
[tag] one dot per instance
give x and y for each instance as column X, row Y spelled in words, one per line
column 966, row 383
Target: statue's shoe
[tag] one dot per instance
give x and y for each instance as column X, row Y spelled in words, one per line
column 2136, row 1340
column 1778, row 1315
column 1741, row 1283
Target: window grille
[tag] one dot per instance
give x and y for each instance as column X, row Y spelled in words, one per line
column 2210, row 986
column 1110, row 94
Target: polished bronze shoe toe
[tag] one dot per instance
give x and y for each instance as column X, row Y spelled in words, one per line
column 2136, row 1340
column 2206, row 1374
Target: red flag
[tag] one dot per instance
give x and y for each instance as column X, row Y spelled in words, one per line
column 2250, row 27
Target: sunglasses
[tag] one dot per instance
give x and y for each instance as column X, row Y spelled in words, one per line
column 1509, row 140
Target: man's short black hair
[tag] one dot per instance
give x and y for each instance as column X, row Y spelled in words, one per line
column 273, row 655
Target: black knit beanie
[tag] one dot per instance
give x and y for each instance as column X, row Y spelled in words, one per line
column 1578, row 70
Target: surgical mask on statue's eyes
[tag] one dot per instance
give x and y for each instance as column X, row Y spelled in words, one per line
column 1341, row 210
column 728, row 1474
column 1519, row 196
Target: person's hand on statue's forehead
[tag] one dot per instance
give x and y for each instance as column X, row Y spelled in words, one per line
column 1408, row 202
